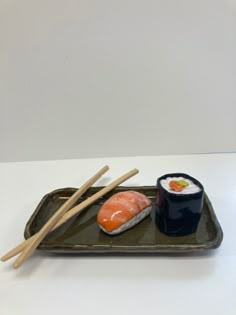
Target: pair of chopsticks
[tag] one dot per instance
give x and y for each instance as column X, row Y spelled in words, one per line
column 27, row 247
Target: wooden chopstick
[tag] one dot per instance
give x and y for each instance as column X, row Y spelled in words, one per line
column 61, row 211
column 56, row 217
column 43, row 232
column 74, row 211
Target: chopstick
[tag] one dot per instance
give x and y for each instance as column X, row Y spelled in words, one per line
column 67, row 216
column 59, row 213
column 43, row 232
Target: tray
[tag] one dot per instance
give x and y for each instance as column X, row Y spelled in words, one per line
column 81, row 234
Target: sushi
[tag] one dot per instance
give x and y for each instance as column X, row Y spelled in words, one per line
column 179, row 204
column 122, row 211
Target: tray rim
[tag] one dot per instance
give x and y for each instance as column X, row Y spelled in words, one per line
column 122, row 249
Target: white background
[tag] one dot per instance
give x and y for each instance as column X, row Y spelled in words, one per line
column 196, row 284
column 86, row 78
column 116, row 78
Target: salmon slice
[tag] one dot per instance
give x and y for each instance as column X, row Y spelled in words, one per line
column 122, row 211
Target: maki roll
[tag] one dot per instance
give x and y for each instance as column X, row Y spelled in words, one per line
column 179, row 204
column 122, row 211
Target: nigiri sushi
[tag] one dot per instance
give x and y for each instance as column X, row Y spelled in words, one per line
column 122, row 211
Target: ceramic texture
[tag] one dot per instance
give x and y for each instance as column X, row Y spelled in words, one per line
column 82, row 234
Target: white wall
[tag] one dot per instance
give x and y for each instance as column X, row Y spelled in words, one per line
column 116, row 78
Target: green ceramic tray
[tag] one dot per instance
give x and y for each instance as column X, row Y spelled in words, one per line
column 82, row 234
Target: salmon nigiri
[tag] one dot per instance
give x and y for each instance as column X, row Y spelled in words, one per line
column 122, row 211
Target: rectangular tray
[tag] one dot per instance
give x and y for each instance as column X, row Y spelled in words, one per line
column 82, row 234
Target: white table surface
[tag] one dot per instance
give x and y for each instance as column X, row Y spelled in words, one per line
column 197, row 284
